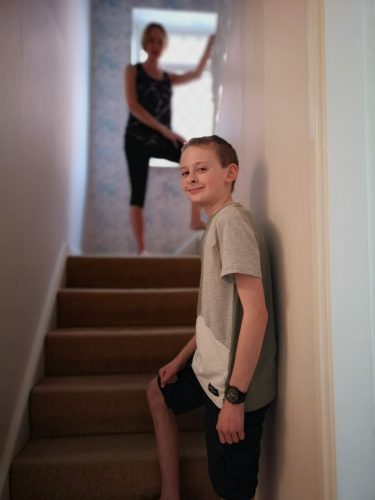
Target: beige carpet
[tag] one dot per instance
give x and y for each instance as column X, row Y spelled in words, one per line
column 119, row 320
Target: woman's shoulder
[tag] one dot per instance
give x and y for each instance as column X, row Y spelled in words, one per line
column 133, row 68
column 167, row 76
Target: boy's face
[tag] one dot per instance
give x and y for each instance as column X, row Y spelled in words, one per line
column 204, row 180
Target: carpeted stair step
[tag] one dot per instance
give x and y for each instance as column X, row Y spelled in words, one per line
column 135, row 307
column 109, row 404
column 132, row 272
column 117, row 467
column 91, row 351
column 118, row 321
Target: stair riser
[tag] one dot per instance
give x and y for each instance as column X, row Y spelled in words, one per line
column 105, row 467
column 101, row 272
column 110, row 353
column 136, row 480
column 100, row 309
column 75, row 413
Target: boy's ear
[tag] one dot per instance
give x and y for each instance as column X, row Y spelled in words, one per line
column 232, row 172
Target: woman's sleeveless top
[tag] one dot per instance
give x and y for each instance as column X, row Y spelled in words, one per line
column 155, row 96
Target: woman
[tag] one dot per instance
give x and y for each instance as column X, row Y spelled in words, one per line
column 148, row 133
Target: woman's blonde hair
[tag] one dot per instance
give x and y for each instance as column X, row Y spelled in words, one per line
column 147, row 31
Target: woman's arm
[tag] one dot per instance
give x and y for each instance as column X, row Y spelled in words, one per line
column 196, row 73
column 140, row 112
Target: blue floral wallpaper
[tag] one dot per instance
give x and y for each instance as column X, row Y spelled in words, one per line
column 167, row 212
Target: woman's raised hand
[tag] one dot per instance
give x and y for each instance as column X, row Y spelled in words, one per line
column 211, row 40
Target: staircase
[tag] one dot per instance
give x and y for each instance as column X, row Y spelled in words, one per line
column 119, row 320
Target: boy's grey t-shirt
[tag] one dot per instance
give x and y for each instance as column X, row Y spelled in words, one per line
column 231, row 244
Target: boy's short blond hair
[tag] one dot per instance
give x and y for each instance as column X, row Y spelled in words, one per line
column 225, row 152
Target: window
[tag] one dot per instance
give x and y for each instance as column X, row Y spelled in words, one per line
column 192, row 103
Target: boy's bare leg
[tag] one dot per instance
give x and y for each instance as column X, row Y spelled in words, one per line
column 136, row 217
column 196, row 221
column 167, row 442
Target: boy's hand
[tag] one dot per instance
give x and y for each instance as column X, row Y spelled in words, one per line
column 230, row 423
column 168, row 372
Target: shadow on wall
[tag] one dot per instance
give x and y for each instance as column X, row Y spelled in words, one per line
column 273, row 446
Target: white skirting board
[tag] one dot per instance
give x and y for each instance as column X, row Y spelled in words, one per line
column 18, row 431
column 192, row 245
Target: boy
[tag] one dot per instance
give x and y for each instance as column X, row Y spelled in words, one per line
column 229, row 364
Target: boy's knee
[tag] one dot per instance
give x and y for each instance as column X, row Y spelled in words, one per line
column 154, row 396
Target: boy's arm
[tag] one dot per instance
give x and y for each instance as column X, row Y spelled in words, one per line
column 250, row 290
column 169, row 371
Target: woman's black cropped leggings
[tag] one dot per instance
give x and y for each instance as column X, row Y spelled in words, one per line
column 138, row 156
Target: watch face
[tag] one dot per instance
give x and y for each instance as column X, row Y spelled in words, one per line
column 233, row 395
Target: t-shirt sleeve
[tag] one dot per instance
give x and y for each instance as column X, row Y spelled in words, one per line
column 239, row 248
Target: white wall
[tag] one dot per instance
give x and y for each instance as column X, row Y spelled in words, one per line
column 350, row 143
column 271, row 112
column 43, row 132
column 78, row 47
column 298, row 103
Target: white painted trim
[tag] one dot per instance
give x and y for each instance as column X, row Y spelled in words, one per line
column 319, row 224
column 73, row 250
column 368, row 15
column 191, row 246
column 46, row 321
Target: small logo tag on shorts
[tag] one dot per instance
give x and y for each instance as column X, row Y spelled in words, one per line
column 213, row 389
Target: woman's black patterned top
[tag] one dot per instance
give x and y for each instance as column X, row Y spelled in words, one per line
column 155, row 96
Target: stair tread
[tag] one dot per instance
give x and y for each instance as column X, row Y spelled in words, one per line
column 84, row 405
column 127, row 291
column 113, row 350
column 131, row 258
column 125, row 308
column 134, row 381
column 132, row 272
column 122, row 331
column 116, row 447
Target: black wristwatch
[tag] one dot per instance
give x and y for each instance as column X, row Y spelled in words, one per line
column 234, row 395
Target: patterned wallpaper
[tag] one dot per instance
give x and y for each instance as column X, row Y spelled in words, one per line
column 167, row 212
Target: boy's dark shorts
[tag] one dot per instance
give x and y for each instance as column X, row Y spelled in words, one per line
column 233, row 468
